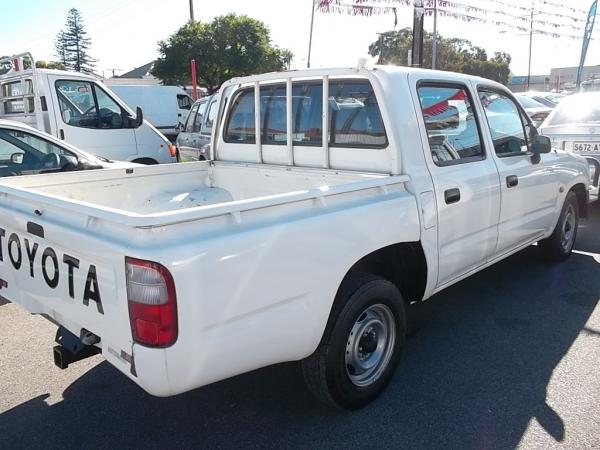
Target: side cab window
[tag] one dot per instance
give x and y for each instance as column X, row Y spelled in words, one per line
column 184, row 101
column 510, row 129
column 84, row 104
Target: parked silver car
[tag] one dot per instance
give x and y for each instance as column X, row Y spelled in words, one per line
column 534, row 109
column 193, row 141
column 574, row 126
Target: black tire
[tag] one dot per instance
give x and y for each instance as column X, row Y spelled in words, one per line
column 325, row 371
column 557, row 247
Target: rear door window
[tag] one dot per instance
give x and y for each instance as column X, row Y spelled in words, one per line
column 199, row 117
column 189, row 122
column 452, row 128
column 210, row 118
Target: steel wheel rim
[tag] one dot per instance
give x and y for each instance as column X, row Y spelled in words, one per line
column 370, row 345
column 568, row 228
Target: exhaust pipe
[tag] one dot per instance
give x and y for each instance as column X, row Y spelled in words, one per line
column 63, row 357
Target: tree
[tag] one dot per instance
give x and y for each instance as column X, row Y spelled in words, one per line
column 229, row 46
column 72, row 44
column 60, row 47
column 453, row 54
column 41, row 64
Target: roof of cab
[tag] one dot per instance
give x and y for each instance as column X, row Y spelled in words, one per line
column 376, row 71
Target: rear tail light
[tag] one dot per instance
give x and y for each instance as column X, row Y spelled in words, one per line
column 152, row 303
column 172, row 150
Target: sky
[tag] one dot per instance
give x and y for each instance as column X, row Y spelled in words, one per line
column 125, row 33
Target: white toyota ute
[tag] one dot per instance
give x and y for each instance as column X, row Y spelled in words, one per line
column 332, row 200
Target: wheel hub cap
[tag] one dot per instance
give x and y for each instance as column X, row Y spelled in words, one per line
column 370, row 345
column 568, row 228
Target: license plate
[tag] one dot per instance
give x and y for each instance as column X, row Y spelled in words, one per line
column 586, row 147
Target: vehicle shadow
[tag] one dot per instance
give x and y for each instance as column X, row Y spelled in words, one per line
column 473, row 376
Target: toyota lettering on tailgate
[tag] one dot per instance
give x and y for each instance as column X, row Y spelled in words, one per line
column 20, row 252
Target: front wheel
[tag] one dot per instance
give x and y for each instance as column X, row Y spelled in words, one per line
column 559, row 245
column 361, row 345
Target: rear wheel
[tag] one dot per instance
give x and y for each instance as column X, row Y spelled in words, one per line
column 361, row 345
column 559, row 245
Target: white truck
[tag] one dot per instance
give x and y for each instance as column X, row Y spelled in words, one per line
column 165, row 107
column 334, row 198
column 80, row 110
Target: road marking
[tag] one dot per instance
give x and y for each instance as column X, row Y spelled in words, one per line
column 596, row 256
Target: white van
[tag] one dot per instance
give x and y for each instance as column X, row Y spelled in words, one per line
column 79, row 109
column 163, row 106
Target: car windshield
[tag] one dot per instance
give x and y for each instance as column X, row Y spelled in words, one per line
column 528, row 102
column 544, row 101
column 577, row 110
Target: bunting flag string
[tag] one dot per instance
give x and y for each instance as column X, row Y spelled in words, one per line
column 500, row 12
column 499, row 23
column 464, row 12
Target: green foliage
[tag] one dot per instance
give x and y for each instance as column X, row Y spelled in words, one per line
column 41, row 64
column 229, row 46
column 72, row 44
column 453, row 54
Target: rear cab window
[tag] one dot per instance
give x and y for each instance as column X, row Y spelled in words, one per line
column 354, row 115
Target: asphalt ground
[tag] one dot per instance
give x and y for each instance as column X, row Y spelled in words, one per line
column 507, row 358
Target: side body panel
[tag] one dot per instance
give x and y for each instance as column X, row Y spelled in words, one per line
column 282, row 277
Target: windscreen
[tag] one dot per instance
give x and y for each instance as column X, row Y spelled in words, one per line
column 583, row 109
column 528, row 102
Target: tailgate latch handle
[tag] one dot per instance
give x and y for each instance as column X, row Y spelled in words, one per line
column 35, row 229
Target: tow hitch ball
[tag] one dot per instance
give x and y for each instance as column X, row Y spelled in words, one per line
column 71, row 348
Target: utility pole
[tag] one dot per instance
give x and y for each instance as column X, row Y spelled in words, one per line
column 530, row 44
column 417, row 44
column 380, row 60
column 191, row 10
column 434, row 43
column 312, row 21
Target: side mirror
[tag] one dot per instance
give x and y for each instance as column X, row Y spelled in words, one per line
column 69, row 161
column 16, row 158
column 541, row 144
column 139, row 117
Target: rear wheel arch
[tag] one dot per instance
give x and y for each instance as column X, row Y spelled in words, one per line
column 404, row 264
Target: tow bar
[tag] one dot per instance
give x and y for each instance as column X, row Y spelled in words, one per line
column 72, row 349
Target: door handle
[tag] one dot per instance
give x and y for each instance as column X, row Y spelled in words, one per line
column 512, row 181
column 452, row 195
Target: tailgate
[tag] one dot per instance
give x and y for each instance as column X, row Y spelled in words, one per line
column 68, row 273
